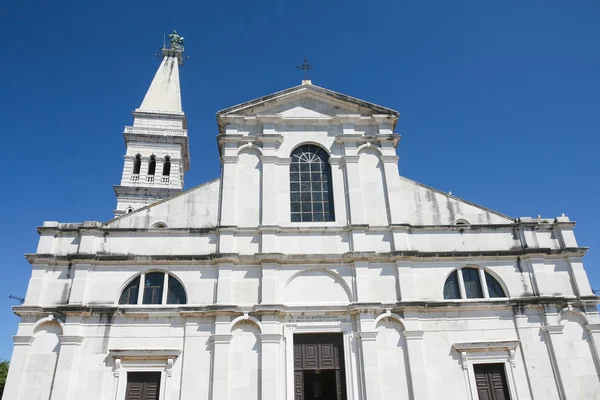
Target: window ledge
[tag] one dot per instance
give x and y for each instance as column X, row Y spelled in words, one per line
column 480, row 299
column 145, row 353
column 494, row 345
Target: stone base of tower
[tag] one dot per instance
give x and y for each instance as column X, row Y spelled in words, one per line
column 133, row 198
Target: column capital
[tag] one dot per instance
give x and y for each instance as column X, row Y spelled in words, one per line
column 553, row 329
column 269, row 159
column 367, row 336
column 390, row 159
column 270, row 337
column 229, row 159
column 409, row 335
column 70, row 340
column 221, row 339
column 23, row 340
column 593, row 328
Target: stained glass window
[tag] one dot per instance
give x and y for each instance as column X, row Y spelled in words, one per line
column 311, row 194
column 451, row 290
column 494, row 288
column 130, row 294
column 472, row 283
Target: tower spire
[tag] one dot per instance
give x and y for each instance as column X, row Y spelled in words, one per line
column 157, row 154
column 164, row 93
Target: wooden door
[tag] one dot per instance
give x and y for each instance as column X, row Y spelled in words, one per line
column 314, row 353
column 491, row 382
column 143, row 386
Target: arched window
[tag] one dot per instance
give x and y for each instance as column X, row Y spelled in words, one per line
column 154, row 288
column 311, row 193
column 167, row 166
column 152, row 165
column 472, row 283
column 137, row 164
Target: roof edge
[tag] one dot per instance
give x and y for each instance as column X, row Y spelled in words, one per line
column 329, row 92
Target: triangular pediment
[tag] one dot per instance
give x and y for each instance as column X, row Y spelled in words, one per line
column 306, row 101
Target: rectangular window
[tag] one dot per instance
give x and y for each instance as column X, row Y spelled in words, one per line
column 491, row 382
column 143, row 386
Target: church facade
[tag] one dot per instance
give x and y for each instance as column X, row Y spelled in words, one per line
column 310, row 269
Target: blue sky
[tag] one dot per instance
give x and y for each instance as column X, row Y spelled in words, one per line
column 499, row 100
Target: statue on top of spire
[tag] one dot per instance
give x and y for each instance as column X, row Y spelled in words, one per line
column 176, row 41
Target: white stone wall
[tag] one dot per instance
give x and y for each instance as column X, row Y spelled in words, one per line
column 253, row 278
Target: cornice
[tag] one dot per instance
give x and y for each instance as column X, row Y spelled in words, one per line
column 258, row 258
column 208, row 310
column 491, row 345
column 94, row 225
column 144, row 353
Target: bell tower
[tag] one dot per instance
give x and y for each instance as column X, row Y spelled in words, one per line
column 157, row 154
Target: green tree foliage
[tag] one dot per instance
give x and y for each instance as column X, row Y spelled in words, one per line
column 3, row 372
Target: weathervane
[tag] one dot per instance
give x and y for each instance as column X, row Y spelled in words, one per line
column 305, row 66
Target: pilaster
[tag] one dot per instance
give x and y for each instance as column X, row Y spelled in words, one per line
column 66, row 367
column 416, row 361
column 372, row 384
column 562, row 367
column 340, row 205
column 227, row 212
column 579, row 277
column 268, row 284
column 540, row 276
column 363, row 284
column 594, row 332
column 79, row 284
column 18, row 361
column 221, row 341
column 270, row 366
column 224, row 294
column 353, row 190
column 406, row 280
column 392, row 189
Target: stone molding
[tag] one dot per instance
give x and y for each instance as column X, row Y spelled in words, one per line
column 221, row 339
column 413, row 335
column 390, row 159
column 593, row 328
column 491, row 345
column 467, row 348
column 201, row 310
column 270, row 337
column 167, row 356
column 144, row 353
column 553, row 329
column 367, row 336
column 70, row 340
column 211, row 258
column 577, row 251
column 23, row 340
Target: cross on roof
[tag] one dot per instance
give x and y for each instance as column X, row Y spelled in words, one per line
column 305, row 66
